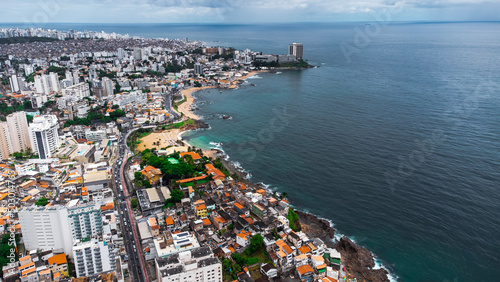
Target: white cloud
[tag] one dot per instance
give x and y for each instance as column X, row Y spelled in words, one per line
column 232, row 10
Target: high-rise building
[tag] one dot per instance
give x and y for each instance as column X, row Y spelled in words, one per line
column 198, row 68
column 107, row 85
column 296, row 49
column 44, row 136
column 138, row 54
column 5, row 142
column 93, row 257
column 76, row 76
column 14, row 83
column 121, row 53
column 194, row 265
column 42, row 84
column 46, row 228
column 18, row 130
column 54, row 81
column 85, row 220
column 79, row 90
column 59, row 227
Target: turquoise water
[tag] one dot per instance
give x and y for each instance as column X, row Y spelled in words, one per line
column 399, row 146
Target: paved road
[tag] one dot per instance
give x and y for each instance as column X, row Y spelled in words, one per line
column 130, row 233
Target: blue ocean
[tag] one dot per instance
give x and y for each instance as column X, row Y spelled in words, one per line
column 394, row 136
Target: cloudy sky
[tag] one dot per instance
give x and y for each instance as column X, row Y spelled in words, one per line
column 244, row 11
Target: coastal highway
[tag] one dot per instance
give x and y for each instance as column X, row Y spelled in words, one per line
column 131, row 241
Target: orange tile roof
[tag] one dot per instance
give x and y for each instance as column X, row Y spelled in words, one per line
column 220, row 219
column 238, row 205
column 108, row 206
column 24, row 258
column 26, row 198
column 287, row 249
column 215, row 172
column 57, row 259
column 192, row 179
column 304, row 249
column 169, row 220
column 207, row 221
column 303, row 269
column 26, row 266
column 194, row 156
column 201, row 207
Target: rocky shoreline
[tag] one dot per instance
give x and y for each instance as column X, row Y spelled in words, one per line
column 358, row 261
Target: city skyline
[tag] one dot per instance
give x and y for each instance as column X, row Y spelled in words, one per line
column 232, row 12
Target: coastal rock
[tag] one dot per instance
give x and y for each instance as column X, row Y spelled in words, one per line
column 197, row 124
column 359, row 262
column 316, row 227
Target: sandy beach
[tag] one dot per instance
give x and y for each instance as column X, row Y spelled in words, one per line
column 170, row 137
column 185, row 107
column 166, row 138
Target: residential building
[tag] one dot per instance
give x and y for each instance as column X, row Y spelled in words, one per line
column 42, row 84
column 296, row 49
column 198, row 68
column 152, row 174
column 85, row 220
column 79, row 90
column 58, row 263
column 201, row 211
column 93, row 257
column 46, row 228
column 14, row 83
column 170, row 244
column 44, row 136
column 18, row 131
column 5, row 142
column 57, row 227
column 107, row 85
column 54, row 81
column 194, row 265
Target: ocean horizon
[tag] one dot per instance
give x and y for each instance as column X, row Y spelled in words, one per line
column 393, row 137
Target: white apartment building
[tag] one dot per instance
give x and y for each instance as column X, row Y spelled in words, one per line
column 58, row 227
column 135, row 97
column 84, row 219
column 44, row 135
column 5, row 142
column 78, row 90
column 46, row 228
column 18, row 131
column 54, row 82
column 93, row 257
column 42, row 84
column 95, row 135
column 198, row 265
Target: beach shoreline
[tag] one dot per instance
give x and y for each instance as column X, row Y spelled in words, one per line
column 359, row 262
column 185, row 108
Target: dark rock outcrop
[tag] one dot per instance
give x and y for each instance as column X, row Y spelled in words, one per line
column 316, row 227
column 359, row 262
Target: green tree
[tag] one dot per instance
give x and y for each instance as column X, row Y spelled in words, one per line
column 293, row 220
column 7, row 248
column 42, row 201
column 117, row 88
column 176, row 196
column 256, row 243
column 138, row 175
column 133, row 203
